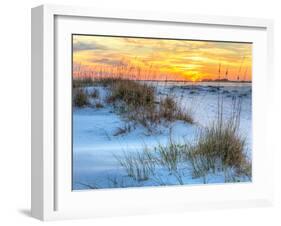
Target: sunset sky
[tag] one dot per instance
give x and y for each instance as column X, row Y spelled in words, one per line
column 160, row 59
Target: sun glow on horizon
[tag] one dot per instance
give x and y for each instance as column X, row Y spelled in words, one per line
column 161, row 59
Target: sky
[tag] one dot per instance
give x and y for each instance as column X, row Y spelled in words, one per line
column 160, row 59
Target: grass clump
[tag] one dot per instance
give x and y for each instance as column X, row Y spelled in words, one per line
column 170, row 156
column 139, row 165
column 137, row 102
column 220, row 142
column 83, row 97
column 80, row 98
column 220, row 147
column 99, row 105
column 133, row 93
column 170, row 111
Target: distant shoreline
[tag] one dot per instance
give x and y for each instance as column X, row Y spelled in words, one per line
column 204, row 80
column 207, row 81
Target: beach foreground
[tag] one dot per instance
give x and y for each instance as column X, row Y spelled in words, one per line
column 107, row 145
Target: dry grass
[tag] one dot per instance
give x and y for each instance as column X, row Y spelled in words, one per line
column 98, row 105
column 80, row 98
column 139, row 165
column 171, row 111
column 220, row 146
column 82, row 82
column 132, row 93
column 137, row 102
column 220, row 142
column 170, row 156
column 217, row 148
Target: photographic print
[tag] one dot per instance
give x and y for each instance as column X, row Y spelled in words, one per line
column 160, row 112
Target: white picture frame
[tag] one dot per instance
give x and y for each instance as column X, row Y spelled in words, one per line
column 51, row 196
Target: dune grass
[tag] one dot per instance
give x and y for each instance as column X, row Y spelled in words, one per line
column 170, row 155
column 137, row 101
column 134, row 99
column 132, row 93
column 140, row 165
column 218, row 148
column 82, row 82
column 80, row 98
column 170, row 110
